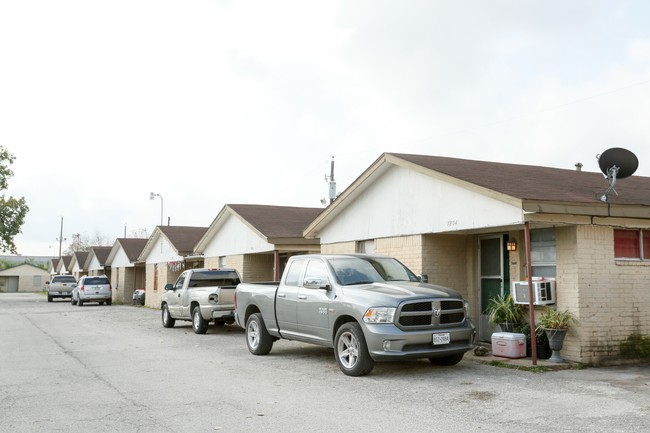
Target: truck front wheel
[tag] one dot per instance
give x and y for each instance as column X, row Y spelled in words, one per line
column 199, row 324
column 167, row 320
column 258, row 339
column 351, row 350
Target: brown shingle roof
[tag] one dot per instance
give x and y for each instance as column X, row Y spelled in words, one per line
column 132, row 247
column 530, row 182
column 101, row 253
column 183, row 238
column 277, row 221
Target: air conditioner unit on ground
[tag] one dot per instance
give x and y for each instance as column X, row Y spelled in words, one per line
column 543, row 290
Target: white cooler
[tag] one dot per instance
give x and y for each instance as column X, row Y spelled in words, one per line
column 509, row 345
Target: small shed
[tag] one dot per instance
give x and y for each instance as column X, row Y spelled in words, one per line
column 23, row 278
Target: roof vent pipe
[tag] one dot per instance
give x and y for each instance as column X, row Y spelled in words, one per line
column 578, row 166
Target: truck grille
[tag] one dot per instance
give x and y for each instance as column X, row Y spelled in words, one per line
column 429, row 314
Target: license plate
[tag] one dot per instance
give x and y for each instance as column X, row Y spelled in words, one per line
column 441, row 338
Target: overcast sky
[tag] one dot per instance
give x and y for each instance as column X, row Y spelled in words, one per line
column 214, row 102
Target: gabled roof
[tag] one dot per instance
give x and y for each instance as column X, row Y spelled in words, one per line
column 533, row 188
column 100, row 252
column 272, row 223
column 54, row 263
column 65, row 263
column 78, row 257
column 132, row 248
column 529, row 182
column 182, row 238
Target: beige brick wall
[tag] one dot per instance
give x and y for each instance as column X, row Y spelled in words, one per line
column 258, row 267
column 339, row 248
column 406, row 249
column 165, row 275
column 124, row 281
column 610, row 297
column 251, row 267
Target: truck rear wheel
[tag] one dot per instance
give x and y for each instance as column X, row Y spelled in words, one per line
column 258, row 339
column 199, row 324
column 351, row 350
column 167, row 320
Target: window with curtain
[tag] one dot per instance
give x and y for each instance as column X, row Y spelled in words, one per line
column 631, row 244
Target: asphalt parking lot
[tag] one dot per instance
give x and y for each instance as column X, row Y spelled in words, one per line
column 116, row 369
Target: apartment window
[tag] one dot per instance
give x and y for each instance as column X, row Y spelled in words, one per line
column 631, row 244
column 543, row 252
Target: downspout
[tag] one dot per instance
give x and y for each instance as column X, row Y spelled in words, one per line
column 531, row 299
column 276, row 265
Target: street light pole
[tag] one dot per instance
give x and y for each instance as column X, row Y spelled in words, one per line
column 151, row 197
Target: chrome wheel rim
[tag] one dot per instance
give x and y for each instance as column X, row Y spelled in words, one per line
column 253, row 334
column 165, row 315
column 195, row 320
column 348, row 350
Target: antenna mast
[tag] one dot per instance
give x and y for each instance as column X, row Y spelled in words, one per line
column 331, row 182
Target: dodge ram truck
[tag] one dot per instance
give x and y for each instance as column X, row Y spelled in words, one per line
column 367, row 308
column 200, row 296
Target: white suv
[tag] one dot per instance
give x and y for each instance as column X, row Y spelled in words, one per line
column 92, row 289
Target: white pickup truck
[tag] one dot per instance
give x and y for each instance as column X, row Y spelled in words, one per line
column 201, row 296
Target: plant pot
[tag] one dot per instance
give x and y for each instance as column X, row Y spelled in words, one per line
column 507, row 327
column 543, row 351
column 555, row 342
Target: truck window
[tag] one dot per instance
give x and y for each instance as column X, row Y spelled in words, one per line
column 214, row 278
column 316, row 270
column 179, row 282
column 293, row 273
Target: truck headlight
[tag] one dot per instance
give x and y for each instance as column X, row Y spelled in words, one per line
column 466, row 309
column 379, row 315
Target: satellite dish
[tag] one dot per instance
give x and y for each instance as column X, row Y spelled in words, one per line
column 616, row 163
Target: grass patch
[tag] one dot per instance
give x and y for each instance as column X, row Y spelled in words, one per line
column 532, row 369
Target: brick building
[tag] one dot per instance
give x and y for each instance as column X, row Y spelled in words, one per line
column 168, row 252
column 453, row 219
column 257, row 240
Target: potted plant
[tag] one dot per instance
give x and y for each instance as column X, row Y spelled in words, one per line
column 543, row 348
column 555, row 324
column 504, row 312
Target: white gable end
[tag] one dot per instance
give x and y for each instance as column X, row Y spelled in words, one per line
column 121, row 260
column 233, row 238
column 163, row 252
column 95, row 265
column 406, row 202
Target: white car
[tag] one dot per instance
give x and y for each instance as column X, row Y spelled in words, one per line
column 92, row 289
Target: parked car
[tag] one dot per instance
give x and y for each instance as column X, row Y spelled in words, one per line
column 60, row 287
column 92, row 289
column 139, row 296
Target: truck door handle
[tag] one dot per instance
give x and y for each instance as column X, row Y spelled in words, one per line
column 302, row 297
column 281, row 295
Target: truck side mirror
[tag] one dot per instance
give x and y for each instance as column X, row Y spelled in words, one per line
column 169, row 286
column 424, row 278
column 316, row 283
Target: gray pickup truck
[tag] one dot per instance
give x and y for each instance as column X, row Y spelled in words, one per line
column 200, row 296
column 368, row 308
column 60, row 287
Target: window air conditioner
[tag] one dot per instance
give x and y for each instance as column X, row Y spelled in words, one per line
column 543, row 290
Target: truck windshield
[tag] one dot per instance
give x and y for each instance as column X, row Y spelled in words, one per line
column 366, row 270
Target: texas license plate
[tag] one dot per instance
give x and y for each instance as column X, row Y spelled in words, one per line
column 442, row 338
